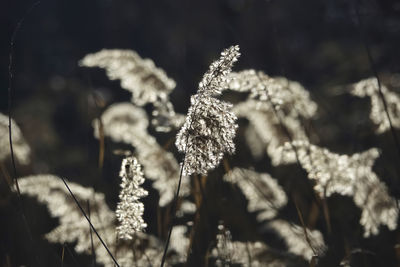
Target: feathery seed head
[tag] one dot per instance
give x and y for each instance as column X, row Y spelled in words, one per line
column 210, row 125
column 379, row 114
column 207, row 134
column 21, row 148
column 129, row 209
column 348, row 175
column 141, row 77
column 216, row 78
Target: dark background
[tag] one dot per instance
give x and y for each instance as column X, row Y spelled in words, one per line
column 319, row 43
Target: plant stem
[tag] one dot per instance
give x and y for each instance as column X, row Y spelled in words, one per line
column 90, row 223
column 174, row 204
column 375, row 73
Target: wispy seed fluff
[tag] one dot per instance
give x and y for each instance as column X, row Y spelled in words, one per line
column 348, row 175
column 141, row 77
column 276, row 109
column 261, row 190
column 370, row 88
column 210, row 125
column 21, row 148
column 73, row 228
column 129, row 209
column 126, row 123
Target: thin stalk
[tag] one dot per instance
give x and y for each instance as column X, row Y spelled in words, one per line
column 62, row 256
column 8, row 261
column 197, row 215
column 10, row 79
column 6, row 175
column 70, row 253
column 174, row 204
column 175, row 201
column 101, row 144
column 306, row 131
column 90, row 223
column 375, row 73
column 196, row 221
column 304, row 227
column 91, row 237
column 216, row 72
column 248, row 254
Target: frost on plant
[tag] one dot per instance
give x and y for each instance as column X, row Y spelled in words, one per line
column 141, row 77
column 20, row 147
column 262, row 191
column 369, row 88
column 275, row 108
column 129, row 210
column 142, row 250
column 210, row 125
column 127, row 123
column 348, row 175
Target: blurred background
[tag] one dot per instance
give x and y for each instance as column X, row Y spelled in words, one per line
column 321, row 44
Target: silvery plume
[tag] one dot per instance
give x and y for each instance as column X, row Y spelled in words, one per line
column 296, row 240
column 73, row 227
column 266, row 196
column 263, row 193
column 142, row 250
column 281, row 92
column 350, row 175
column 370, row 88
column 146, row 82
column 210, row 125
column 20, row 147
column 275, row 108
column 264, row 132
column 141, row 77
column 127, row 123
column 129, row 209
